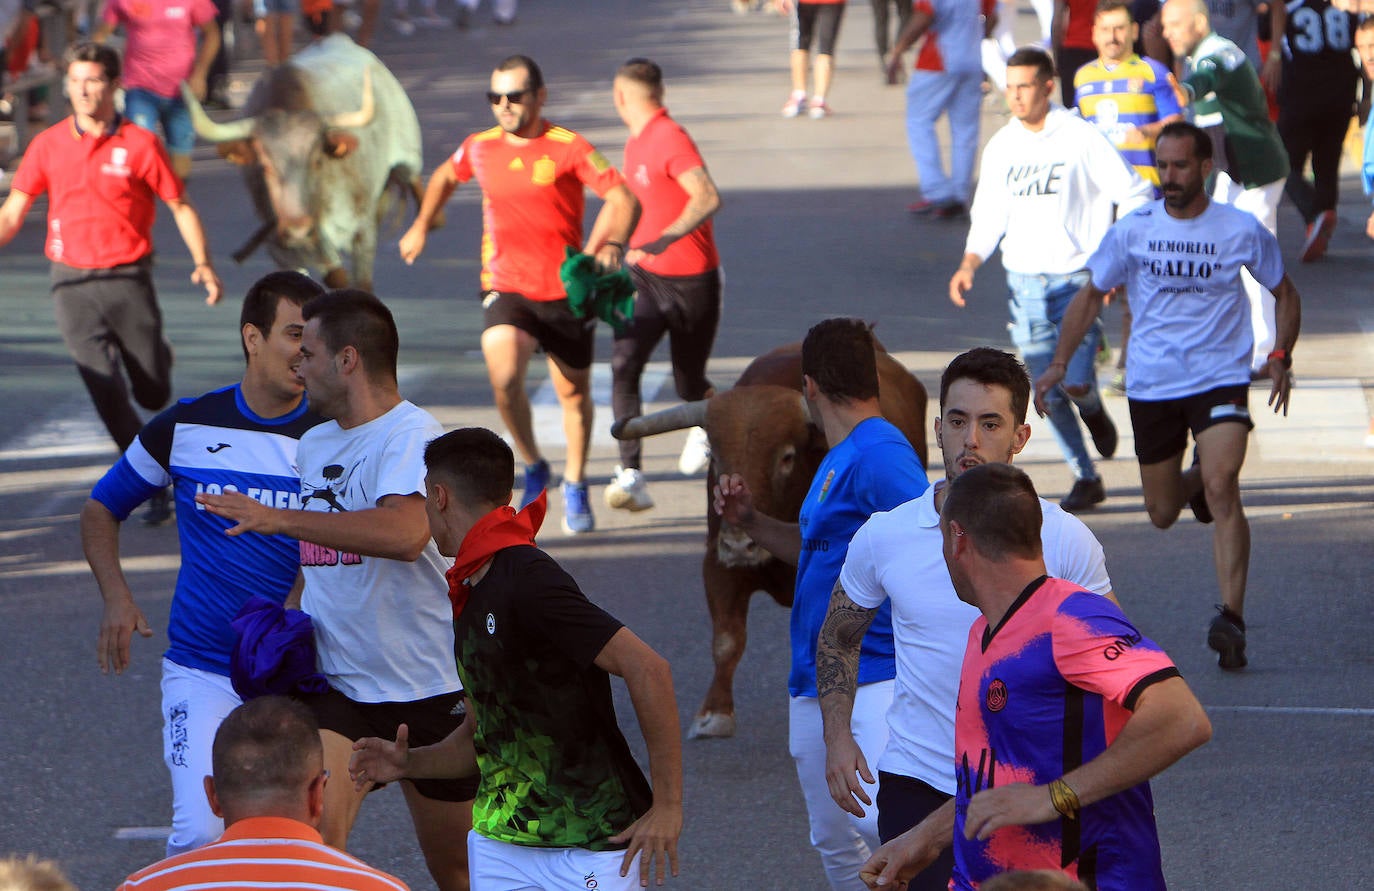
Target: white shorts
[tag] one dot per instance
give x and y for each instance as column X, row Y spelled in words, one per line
column 194, row 703
column 500, row 866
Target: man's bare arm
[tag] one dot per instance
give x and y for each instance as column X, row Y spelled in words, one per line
column 396, row 528
column 837, row 672
column 703, row 200
column 122, row 617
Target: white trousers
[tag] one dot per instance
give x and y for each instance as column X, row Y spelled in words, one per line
column 843, row 840
column 1262, row 203
column 194, row 703
column 498, row 866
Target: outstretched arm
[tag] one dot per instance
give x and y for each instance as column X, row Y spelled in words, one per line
column 837, row 671
column 396, row 528
column 735, row 505
column 650, row 681
column 896, row 862
column 379, row 761
column 12, row 214
column 442, row 184
column 614, row 223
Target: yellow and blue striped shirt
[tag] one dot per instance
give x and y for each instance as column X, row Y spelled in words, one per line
column 1131, row 94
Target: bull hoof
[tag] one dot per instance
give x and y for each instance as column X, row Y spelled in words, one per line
column 712, row 725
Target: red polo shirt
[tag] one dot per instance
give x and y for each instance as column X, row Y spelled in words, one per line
column 100, row 191
column 653, row 161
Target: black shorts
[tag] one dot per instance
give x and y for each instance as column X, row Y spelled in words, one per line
column 1161, row 427
column 818, row 22
column 550, row 322
column 429, row 721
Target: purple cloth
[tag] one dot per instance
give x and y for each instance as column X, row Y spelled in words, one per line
column 274, row 652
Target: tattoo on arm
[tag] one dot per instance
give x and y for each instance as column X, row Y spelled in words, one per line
column 837, row 649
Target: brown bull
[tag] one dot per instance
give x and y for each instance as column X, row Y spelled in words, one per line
column 761, row 429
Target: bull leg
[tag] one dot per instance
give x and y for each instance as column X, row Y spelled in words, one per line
column 727, row 597
column 364, row 256
column 336, row 278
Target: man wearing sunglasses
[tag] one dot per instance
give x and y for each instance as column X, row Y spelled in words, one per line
column 532, row 175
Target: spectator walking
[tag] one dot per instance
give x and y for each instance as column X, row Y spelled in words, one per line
column 814, row 23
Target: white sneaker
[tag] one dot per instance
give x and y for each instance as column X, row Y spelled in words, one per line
column 696, row 454
column 628, row 491
column 404, row 27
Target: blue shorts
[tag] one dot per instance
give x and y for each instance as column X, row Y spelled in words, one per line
column 148, row 110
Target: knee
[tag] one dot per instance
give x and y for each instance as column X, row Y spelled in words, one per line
column 1223, row 494
column 1161, row 516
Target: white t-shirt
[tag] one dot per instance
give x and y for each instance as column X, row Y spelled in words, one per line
column 1190, row 328
column 384, row 628
column 897, row 555
column 1048, row 195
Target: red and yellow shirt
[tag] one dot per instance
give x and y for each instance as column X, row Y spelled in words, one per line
column 653, row 161
column 532, row 203
column 101, row 191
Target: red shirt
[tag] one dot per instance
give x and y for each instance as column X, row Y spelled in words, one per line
column 653, row 161
column 1078, row 34
column 100, row 191
column 532, row 204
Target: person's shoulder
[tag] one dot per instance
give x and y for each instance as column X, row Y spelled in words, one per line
column 481, row 137
column 917, row 513
column 1058, row 525
column 1155, row 67
column 535, row 570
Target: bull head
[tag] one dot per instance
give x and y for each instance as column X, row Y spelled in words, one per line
column 229, row 131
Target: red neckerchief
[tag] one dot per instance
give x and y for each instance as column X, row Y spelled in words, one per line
column 502, row 528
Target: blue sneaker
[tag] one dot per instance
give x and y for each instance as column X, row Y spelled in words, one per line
column 577, row 509
column 536, row 480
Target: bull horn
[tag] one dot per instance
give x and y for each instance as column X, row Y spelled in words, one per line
column 213, row 131
column 679, row 417
column 363, row 116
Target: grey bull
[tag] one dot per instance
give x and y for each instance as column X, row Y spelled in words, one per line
column 761, row 429
column 330, row 144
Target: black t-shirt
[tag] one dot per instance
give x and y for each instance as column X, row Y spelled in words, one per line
column 556, row 770
column 1317, row 65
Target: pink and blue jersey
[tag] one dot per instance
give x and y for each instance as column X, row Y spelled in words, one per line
column 1043, row 693
column 215, row 443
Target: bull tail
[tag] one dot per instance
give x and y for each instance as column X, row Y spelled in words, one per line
column 393, row 202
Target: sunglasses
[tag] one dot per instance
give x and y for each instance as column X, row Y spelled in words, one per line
column 516, row 98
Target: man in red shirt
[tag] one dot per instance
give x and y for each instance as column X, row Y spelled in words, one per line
column 532, row 175
column 101, row 173
column 675, row 268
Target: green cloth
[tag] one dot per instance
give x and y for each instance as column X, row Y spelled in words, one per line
column 608, row 296
column 1227, row 91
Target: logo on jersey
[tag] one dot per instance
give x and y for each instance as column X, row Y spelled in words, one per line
column 545, row 172
column 491, row 624
column 598, row 161
column 177, row 717
column 516, row 164
column 1028, row 180
column 218, row 447
column 996, row 696
column 332, row 488
column 1117, row 648
column 825, row 486
column 642, row 175
column 119, row 162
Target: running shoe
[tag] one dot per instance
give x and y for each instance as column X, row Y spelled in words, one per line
column 1118, row 384
column 577, row 509
column 1083, row 495
column 1104, row 432
column 949, row 210
column 922, row 208
column 537, row 477
column 817, row 109
column 794, row 104
column 159, row 508
column 1226, row 635
column 1318, row 236
column 404, row 27
column 628, row 491
column 696, row 453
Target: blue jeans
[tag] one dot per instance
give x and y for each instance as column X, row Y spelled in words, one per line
column 147, row 109
column 1037, row 305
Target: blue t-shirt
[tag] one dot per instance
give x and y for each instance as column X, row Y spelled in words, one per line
column 873, row 469
column 214, row 443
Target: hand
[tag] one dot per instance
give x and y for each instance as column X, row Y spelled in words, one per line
column 250, row 514
column 609, row 257
column 844, row 761
column 197, row 84
column 378, row 761
column 732, row 500
column 653, row 836
column 204, row 274
column 1271, row 74
column 894, row 69
column 959, row 284
column 117, row 628
column 1047, row 382
column 413, row 242
column 1283, row 385
column 1369, row 226
column 1134, row 134
column 782, row 6
column 895, row 863
column 1019, row 804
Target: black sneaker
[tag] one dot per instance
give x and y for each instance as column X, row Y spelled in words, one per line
column 159, row 508
column 1198, row 502
column 1083, row 495
column 1104, row 432
column 1226, row 635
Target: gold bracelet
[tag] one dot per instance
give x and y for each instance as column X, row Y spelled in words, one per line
column 1065, row 800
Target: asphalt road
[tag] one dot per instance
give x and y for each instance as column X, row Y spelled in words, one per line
column 813, row 225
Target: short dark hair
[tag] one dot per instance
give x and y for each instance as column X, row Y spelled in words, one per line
column 476, row 462
column 997, row 506
column 89, row 51
column 260, row 303
column 838, row 354
column 643, row 71
column 1366, row 25
column 1033, row 57
column 351, row 317
column 266, row 751
column 1202, row 143
column 1104, row 6
column 511, row 63
column 990, row 367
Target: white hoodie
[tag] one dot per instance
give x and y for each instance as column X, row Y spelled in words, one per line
column 1048, row 196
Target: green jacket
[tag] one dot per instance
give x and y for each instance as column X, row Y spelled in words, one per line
column 1227, row 92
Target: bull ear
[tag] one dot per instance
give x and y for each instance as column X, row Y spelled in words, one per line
column 339, row 143
column 238, row 151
